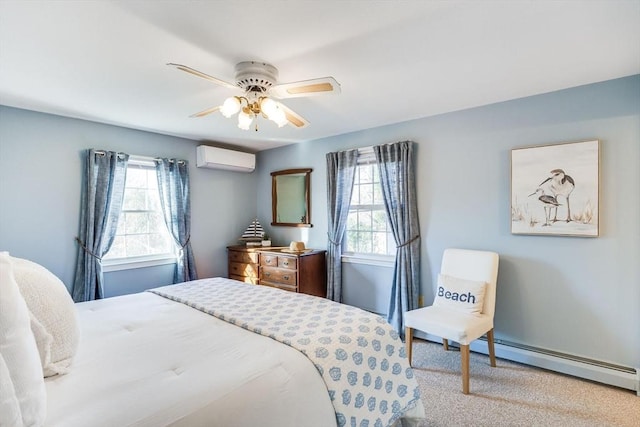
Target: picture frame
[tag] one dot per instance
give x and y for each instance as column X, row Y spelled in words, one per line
column 555, row 189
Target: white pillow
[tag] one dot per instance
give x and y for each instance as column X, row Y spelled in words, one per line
column 19, row 352
column 54, row 323
column 462, row 295
column 44, row 342
column 9, row 406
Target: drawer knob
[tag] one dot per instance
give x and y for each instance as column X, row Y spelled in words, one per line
column 285, row 277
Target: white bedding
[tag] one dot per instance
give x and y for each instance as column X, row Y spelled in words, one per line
column 144, row 360
column 358, row 354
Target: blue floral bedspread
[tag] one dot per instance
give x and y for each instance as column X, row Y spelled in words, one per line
column 360, row 357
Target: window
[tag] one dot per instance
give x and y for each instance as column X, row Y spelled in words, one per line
column 367, row 230
column 142, row 235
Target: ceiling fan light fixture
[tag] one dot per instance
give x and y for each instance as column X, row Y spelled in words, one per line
column 279, row 117
column 244, row 120
column 273, row 111
column 230, row 106
column 259, row 81
column 268, row 106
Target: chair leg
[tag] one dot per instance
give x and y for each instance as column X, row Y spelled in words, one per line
column 492, row 351
column 464, row 353
column 408, row 340
column 445, row 344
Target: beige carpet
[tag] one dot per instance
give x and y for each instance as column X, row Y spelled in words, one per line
column 514, row 395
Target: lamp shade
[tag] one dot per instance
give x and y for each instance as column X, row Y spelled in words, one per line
column 273, row 111
column 244, row 120
column 279, row 117
column 230, row 106
column 268, row 106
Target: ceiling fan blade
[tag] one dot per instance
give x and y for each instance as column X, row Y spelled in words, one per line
column 321, row 86
column 203, row 75
column 205, row 112
column 294, row 119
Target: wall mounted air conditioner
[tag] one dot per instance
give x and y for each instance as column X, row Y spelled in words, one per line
column 221, row 158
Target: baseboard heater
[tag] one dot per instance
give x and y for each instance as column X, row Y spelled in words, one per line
column 590, row 369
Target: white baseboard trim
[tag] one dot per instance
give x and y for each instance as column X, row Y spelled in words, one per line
column 627, row 378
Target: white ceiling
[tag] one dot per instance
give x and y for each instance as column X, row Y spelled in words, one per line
column 395, row 60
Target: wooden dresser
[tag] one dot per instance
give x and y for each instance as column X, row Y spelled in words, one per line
column 244, row 263
column 304, row 272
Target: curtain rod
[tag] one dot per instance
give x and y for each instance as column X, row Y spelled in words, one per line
column 136, row 157
column 154, row 159
column 104, row 153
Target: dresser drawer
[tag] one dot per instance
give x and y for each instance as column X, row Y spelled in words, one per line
column 273, row 260
column 269, row 260
column 243, row 269
column 252, row 280
column 287, row 262
column 280, row 286
column 278, row 275
column 244, row 257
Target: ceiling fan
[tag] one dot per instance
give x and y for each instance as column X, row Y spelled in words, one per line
column 259, row 82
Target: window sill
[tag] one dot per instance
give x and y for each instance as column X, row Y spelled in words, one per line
column 377, row 260
column 139, row 262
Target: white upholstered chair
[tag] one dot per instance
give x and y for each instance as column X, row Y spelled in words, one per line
column 446, row 319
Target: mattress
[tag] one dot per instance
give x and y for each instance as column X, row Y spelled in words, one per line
column 144, row 360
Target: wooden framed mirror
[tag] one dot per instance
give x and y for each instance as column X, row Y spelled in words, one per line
column 291, row 198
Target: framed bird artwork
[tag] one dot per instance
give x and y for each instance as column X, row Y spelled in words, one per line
column 555, row 189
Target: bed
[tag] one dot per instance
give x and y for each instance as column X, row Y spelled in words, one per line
column 218, row 352
column 162, row 363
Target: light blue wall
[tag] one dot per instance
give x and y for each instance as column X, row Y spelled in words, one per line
column 573, row 295
column 367, row 286
column 40, row 171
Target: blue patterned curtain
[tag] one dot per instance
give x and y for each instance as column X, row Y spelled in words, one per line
column 101, row 202
column 397, row 179
column 341, row 170
column 173, row 185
